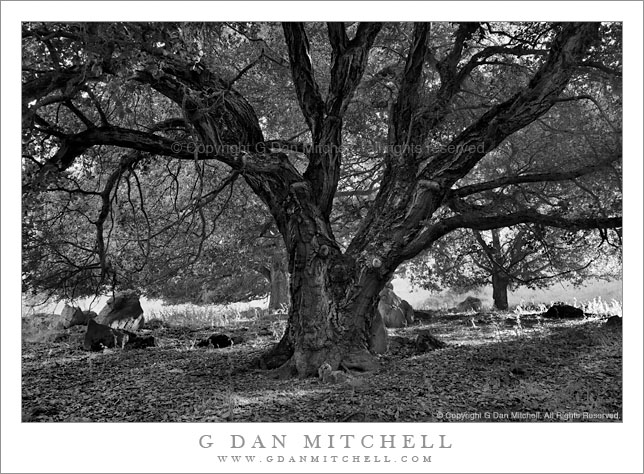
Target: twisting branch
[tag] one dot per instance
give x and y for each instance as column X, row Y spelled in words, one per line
column 97, row 104
column 518, row 111
column 240, row 74
column 267, row 51
column 451, row 81
column 600, row 67
column 448, row 66
column 348, row 63
column 482, row 56
column 83, row 118
column 400, row 132
column 75, row 145
column 485, row 221
column 306, row 88
column 530, row 178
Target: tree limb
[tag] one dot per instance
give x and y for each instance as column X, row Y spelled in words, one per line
column 400, row 132
column 517, row 112
column 530, row 178
column 483, row 221
column 348, row 63
column 306, row 88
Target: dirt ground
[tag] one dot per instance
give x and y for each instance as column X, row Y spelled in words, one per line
column 496, row 368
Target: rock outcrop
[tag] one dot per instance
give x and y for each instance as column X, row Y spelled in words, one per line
column 217, row 341
column 563, row 311
column 74, row 316
column 395, row 312
column 470, row 303
column 122, row 311
column 100, row 336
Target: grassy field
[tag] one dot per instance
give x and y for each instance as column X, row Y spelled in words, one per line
column 596, row 293
column 608, row 292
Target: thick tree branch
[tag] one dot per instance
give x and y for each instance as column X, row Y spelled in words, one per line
column 219, row 114
column 484, row 221
column 481, row 220
column 75, row 145
column 448, row 66
column 337, row 37
column 522, row 109
column 45, row 83
column 407, row 101
column 451, row 81
column 600, row 67
column 348, row 63
column 530, row 178
column 306, row 88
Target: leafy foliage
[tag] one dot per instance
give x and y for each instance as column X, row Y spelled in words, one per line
column 530, row 256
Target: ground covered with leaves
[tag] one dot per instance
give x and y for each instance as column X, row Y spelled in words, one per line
column 495, row 367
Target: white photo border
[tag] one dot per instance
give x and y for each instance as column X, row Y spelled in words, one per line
column 174, row 447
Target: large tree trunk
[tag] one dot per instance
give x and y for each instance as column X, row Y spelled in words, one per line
column 500, row 283
column 279, row 298
column 330, row 320
column 333, row 298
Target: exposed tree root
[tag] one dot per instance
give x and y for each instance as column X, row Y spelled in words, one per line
column 362, row 361
column 277, row 356
column 285, row 371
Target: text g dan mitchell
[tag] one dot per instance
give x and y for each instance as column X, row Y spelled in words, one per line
column 346, row 441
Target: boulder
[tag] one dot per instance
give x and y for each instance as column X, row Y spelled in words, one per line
column 216, row 341
column 426, row 342
column 74, row 316
column 408, row 311
column 392, row 316
column 378, row 335
column 99, row 336
column 395, row 312
column 470, row 303
column 614, row 322
column 122, row 311
column 563, row 311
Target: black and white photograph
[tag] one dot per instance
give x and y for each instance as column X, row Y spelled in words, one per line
column 317, row 244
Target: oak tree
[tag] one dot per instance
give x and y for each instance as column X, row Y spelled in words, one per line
column 101, row 102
